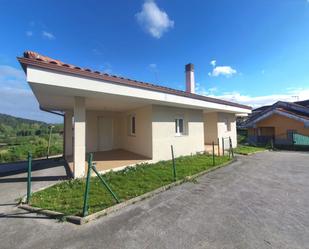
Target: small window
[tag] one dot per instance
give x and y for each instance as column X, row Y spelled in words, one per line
column 179, row 126
column 133, row 126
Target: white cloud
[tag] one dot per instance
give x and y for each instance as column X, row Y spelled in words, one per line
column 226, row 71
column 290, row 95
column 153, row 66
column 153, row 20
column 213, row 63
column 11, row 73
column 29, row 33
column 16, row 97
column 48, row 35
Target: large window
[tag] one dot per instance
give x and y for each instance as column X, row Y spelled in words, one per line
column 179, row 129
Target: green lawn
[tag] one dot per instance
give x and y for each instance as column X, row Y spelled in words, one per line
column 67, row 196
column 245, row 150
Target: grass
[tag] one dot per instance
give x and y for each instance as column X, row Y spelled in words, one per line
column 67, row 196
column 246, row 150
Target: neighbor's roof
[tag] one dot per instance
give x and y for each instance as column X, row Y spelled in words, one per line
column 37, row 60
column 289, row 109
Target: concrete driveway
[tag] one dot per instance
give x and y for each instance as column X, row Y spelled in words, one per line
column 261, row 201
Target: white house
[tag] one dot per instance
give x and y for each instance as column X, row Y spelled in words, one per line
column 126, row 121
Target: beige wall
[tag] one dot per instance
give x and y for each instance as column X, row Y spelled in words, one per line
column 222, row 127
column 163, row 127
column 155, row 131
column 210, row 127
column 216, row 127
column 140, row 143
column 282, row 124
column 92, row 136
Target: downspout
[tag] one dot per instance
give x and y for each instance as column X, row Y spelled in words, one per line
column 59, row 114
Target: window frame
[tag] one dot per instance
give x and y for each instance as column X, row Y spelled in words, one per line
column 132, row 125
column 177, row 126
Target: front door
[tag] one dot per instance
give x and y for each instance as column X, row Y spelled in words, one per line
column 105, row 133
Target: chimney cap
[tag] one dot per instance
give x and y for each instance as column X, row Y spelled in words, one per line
column 190, row 67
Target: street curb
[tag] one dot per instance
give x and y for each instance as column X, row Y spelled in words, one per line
column 82, row 220
column 252, row 153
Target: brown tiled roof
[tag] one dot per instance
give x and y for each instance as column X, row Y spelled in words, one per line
column 35, row 59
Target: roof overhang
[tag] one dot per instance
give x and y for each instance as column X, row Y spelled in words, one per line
column 56, row 89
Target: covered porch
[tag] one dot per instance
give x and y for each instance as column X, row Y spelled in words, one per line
column 113, row 160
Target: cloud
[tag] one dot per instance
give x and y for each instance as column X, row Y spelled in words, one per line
column 291, row 95
column 48, row 35
column 16, row 97
column 213, row 63
column 29, row 33
column 153, row 20
column 226, row 71
column 152, row 66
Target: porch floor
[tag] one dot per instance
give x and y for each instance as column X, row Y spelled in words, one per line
column 113, row 159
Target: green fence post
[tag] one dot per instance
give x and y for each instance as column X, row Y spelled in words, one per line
column 86, row 195
column 213, row 153
column 29, row 177
column 222, row 146
column 218, row 147
column 105, row 184
column 231, row 147
column 174, row 165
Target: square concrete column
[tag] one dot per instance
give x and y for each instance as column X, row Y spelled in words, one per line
column 68, row 134
column 79, row 137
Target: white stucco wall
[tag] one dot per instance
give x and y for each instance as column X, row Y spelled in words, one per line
column 163, row 127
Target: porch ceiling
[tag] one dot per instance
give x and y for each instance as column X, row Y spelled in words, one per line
column 53, row 98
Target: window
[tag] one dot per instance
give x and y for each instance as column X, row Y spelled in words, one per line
column 179, row 126
column 132, row 125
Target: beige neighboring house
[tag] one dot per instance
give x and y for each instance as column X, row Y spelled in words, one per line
column 125, row 121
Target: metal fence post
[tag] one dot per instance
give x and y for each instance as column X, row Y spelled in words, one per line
column 105, row 184
column 174, row 165
column 213, row 153
column 86, row 195
column 222, row 146
column 29, row 177
column 218, row 147
column 231, row 147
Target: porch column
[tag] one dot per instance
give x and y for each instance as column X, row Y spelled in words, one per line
column 79, row 137
column 68, row 139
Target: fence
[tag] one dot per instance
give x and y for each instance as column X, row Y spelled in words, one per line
column 289, row 140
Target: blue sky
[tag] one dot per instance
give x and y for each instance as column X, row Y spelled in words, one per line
column 253, row 52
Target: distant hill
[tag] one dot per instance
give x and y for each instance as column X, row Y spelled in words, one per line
column 16, row 121
column 16, row 126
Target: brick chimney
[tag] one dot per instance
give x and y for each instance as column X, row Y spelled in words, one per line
column 190, row 84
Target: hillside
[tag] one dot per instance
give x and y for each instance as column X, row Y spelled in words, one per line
column 11, row 126
column 18, row 136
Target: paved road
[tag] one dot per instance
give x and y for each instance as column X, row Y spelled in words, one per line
column 261, row 201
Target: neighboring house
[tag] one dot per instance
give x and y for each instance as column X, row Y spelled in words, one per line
column 125, row 120
column 281, row 122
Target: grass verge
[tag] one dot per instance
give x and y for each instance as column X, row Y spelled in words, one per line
column 246, row 150
column 67, row 197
